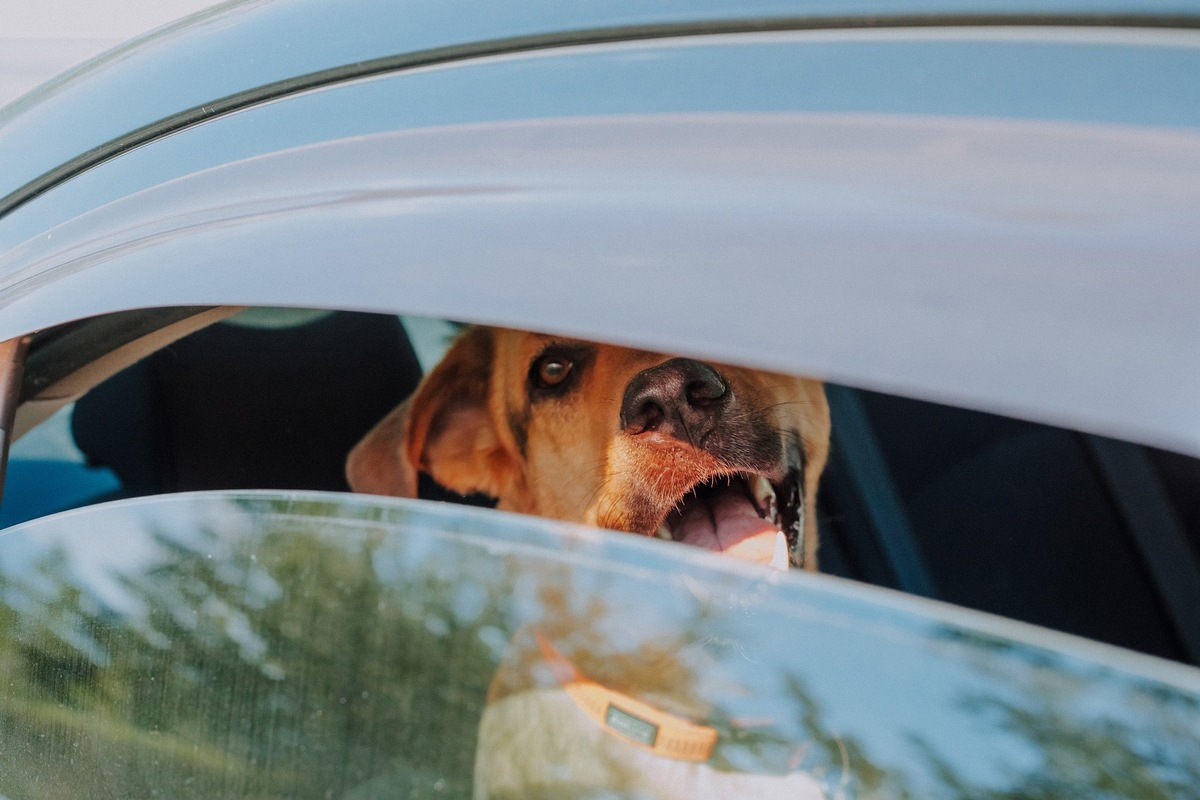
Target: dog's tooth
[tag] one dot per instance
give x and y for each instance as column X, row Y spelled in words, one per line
column 664, row 532
column 779, row 560
column 764, row 496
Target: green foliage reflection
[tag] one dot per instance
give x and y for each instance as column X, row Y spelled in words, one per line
column 283, row 651
column 1086, row 729
column 287, row 669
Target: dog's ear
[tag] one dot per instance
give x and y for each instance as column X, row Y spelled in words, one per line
column 445, row 429
column 377, row 464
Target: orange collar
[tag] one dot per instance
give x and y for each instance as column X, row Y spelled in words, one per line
column 628, row 718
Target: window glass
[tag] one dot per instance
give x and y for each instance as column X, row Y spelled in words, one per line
column 298, row 644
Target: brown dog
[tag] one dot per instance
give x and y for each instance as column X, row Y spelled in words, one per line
column 722, row 457
column 717, row 456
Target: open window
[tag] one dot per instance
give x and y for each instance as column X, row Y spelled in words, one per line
column 1067, row 530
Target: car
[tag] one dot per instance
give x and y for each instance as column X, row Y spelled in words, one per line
column 230, row 247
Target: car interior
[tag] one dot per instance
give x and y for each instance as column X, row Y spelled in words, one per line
column 1049, row 526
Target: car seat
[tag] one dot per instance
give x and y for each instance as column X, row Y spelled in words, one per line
column 1006, row 516
column 264, row 400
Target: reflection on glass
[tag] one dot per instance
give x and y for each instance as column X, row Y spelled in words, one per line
column 259, row 645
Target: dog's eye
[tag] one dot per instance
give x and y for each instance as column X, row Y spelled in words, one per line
column 551, row 370
column 556, row 370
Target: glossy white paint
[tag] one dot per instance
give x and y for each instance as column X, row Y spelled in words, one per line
column 1037, row 269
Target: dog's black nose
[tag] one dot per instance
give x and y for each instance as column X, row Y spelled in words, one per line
column 681, row 398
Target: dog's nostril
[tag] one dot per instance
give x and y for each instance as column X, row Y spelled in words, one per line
column 649, row 417
column 706, row 390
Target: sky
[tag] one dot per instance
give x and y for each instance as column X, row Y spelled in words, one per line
column 114, row 19
column 40, row 38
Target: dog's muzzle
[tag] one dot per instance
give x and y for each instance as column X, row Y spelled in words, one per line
column 743, row 491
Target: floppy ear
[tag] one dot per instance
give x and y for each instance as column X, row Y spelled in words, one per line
column 377, row 464
column 445, row 429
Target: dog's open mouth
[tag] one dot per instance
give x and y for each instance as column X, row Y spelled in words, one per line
column 741, row 514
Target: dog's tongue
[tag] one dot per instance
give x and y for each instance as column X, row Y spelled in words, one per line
column 739, row 530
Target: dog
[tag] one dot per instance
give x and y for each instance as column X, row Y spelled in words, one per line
column 722, row 457
column 717, row 456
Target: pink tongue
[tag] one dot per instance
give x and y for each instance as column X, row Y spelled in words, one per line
column 739, row 530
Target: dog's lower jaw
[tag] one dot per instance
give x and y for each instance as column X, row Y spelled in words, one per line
column 662, row 487
column 645, row 478
column 635, row 515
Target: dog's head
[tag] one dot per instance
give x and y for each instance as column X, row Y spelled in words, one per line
column 718, row 456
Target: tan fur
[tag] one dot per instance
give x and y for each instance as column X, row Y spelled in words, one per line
column 463, row 424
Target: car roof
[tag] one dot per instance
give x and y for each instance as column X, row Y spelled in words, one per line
column 237, row 48
column 1035, row 267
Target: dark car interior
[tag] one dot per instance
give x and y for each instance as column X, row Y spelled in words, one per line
column 1035, row 523
column 235, row 406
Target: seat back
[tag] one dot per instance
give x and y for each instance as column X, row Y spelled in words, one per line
column 240, row 405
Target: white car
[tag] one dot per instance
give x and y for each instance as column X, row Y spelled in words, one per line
column 228, row 248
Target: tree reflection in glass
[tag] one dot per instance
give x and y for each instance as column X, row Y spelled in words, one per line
column 324, row 646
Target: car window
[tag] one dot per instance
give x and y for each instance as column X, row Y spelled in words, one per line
column 1024, row 520
column 264, row 644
